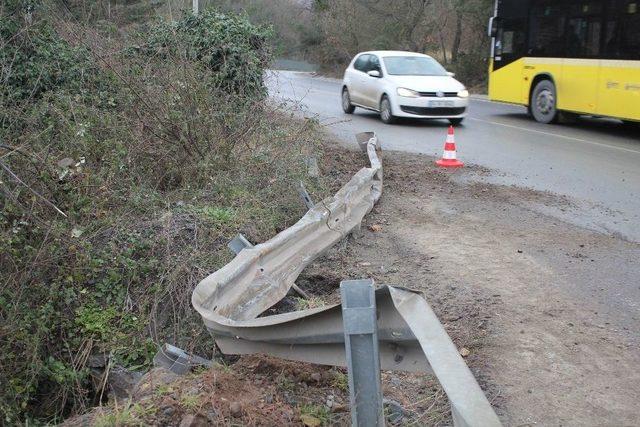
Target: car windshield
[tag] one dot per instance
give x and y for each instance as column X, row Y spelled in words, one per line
column 413, row 66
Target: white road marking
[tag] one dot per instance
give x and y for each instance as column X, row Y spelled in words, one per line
column 556, row 135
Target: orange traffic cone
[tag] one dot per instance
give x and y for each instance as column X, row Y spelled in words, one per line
column 449, row 159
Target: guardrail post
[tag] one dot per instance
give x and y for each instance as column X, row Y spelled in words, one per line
column 304, row 195
column 177, row 360
column 361, row 347
column 239, row 243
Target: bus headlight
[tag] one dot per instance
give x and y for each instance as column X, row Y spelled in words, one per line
column 407, row 93
column 463, row 93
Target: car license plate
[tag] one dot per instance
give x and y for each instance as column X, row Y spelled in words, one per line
column 433, row 104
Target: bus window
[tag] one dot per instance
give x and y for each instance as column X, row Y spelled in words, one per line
column 583, row 38
column 622, row 36
column 584, row 32
column 509, row 42
column 611, row 39
column 512, row 38
column 547, row 30
column 630, row 31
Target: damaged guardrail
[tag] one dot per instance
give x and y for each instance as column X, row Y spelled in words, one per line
column 409, row 334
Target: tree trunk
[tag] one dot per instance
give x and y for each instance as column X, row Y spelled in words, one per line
column 455, row 47
column 443, row 46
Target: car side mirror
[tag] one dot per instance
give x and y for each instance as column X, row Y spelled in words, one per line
column 450, row 74
column 374, row 73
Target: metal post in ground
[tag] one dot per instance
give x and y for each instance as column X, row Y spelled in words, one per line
column 361, row 346
column 196, row 6
column 304, row 195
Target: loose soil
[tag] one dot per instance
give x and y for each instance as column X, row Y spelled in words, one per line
column 536, row 300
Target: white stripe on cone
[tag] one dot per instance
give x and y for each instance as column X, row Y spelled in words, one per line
column 449, row 155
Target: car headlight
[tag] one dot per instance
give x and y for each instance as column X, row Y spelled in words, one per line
column 463, row 93
column 407, row 93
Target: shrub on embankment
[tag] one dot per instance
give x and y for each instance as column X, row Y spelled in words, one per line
column 125, row 167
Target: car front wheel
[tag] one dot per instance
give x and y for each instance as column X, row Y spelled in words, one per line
column 386, row 114
column 347, row 106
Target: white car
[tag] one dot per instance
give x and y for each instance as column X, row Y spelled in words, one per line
column 403, row 84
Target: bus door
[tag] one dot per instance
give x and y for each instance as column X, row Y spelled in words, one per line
column 619, row 85
column 581, row 66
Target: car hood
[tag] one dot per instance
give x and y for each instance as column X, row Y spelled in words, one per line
column 427, row 83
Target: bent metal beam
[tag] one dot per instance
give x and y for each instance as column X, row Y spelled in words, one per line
column 410, row 336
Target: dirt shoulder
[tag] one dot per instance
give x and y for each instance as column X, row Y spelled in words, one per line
column 547, row 309
column 533, row 298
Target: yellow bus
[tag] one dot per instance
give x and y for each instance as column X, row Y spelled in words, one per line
column 567, row 57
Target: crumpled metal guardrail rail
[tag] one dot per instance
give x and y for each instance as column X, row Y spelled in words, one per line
column 410, row 335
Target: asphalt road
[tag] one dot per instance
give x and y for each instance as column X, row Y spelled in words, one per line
column 595, row 163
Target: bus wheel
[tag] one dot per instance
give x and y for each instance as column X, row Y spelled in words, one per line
column 543, row 102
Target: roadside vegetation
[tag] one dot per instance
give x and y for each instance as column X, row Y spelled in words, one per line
column 131, row 151
column 331, row 32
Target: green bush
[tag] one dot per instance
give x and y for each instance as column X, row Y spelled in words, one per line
column 235, row 50
column 35, row 59
column 471, row 68
column 157, row 160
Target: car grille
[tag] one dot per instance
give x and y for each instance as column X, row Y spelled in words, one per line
column 435, row 94
column 439, row 111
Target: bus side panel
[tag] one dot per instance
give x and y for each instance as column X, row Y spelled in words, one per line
column 619, row 89
column 578, row 88
column 534, row 67
column 505, row 84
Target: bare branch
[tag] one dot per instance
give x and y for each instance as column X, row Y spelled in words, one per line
column 40, row 196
